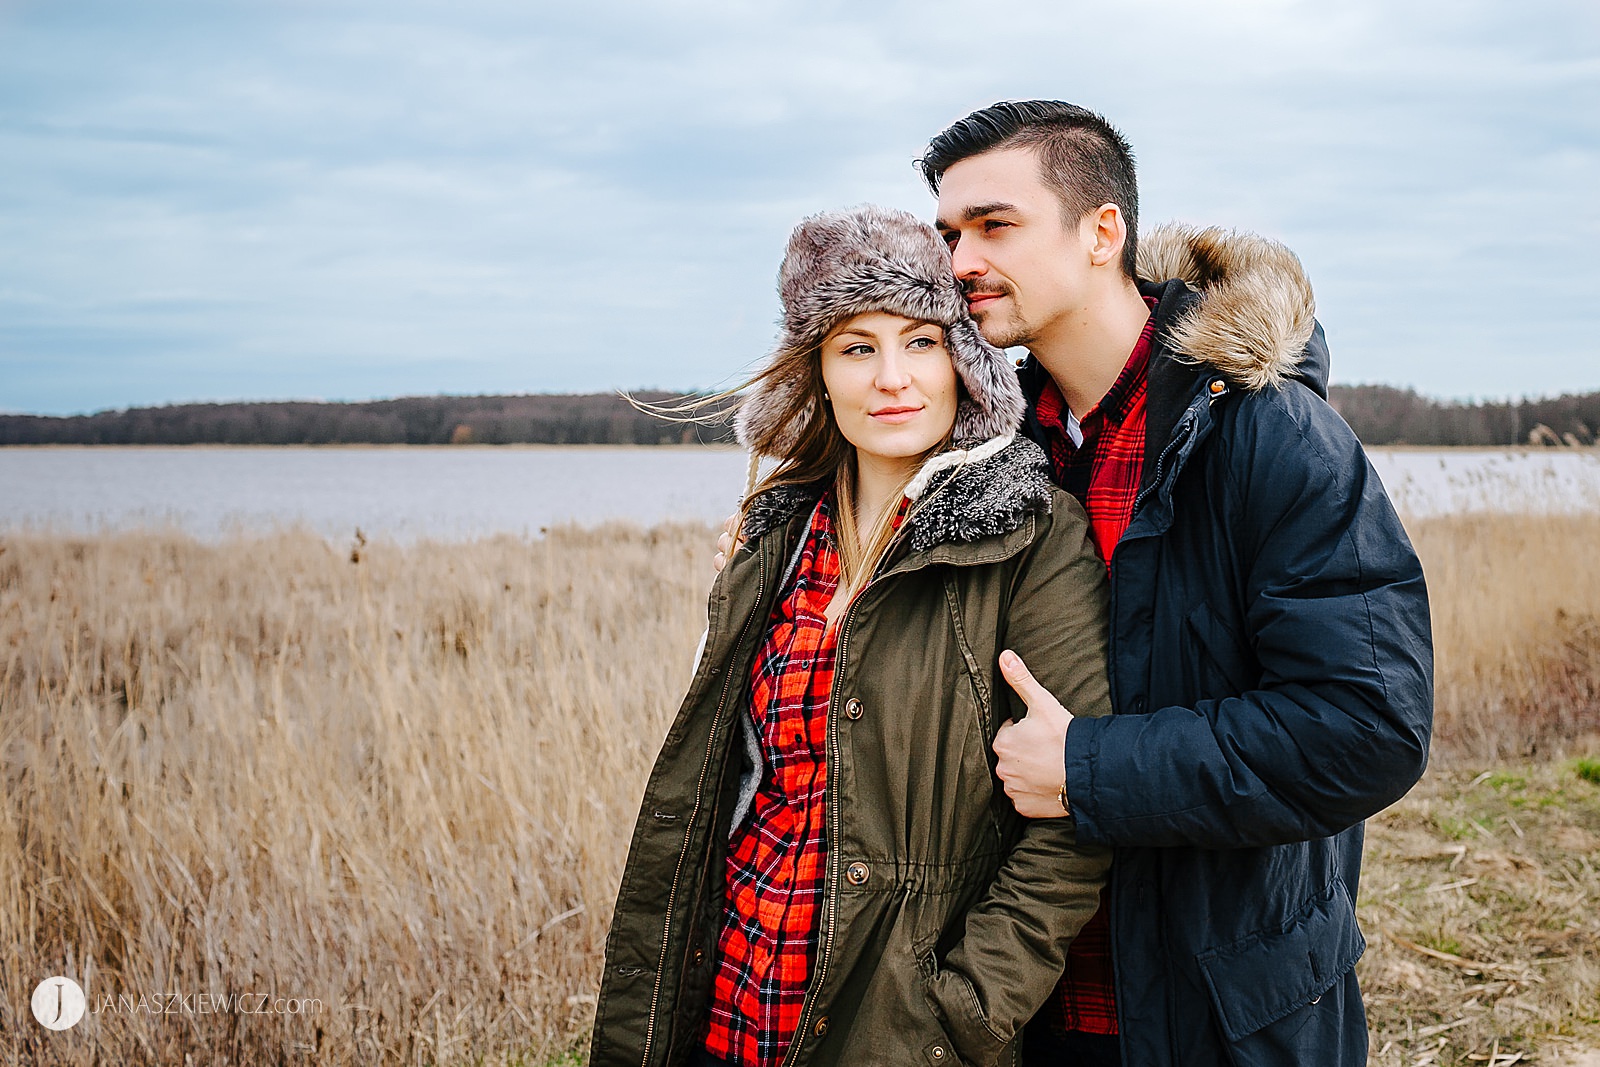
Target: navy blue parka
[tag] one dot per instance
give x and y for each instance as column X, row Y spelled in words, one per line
column 1271, row 669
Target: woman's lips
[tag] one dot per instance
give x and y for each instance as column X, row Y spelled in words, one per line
column 895, row 415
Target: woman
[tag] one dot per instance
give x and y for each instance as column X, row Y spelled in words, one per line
column 824, row 869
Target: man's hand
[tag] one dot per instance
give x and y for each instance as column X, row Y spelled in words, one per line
column 1032, row 750
column 725, row 542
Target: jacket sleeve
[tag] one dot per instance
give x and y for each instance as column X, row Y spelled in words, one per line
column 1335, row 614
column 1014, row 946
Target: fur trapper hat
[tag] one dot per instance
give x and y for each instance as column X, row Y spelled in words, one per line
column 868, row 258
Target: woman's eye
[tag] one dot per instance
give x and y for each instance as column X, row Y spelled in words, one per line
column 858, row 350
column 923, row 342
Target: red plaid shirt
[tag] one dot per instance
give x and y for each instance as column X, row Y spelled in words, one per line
column 777, row 859
column 1103, row 473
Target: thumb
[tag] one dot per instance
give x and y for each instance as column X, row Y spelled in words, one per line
column 1021, row 679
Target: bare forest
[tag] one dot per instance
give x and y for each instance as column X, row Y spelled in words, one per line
column 1379, row 414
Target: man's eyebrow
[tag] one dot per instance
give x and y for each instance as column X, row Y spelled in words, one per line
column 978, row 211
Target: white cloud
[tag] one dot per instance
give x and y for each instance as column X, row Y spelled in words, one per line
column 363, row 199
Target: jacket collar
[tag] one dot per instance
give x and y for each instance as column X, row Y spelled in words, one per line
column 965, row 496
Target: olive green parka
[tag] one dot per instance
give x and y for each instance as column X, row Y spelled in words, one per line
column 946, row 916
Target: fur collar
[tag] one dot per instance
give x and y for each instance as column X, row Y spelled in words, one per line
column 1001, row 483
column 1256, row 309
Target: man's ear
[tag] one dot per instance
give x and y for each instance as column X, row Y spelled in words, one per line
column 1109, row 231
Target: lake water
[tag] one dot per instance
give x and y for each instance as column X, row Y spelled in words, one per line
column 458, row 493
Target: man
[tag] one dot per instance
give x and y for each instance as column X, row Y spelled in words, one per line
column 1270, row 653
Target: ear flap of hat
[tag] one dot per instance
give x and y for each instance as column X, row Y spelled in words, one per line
column 994, row 404
column 765, row 422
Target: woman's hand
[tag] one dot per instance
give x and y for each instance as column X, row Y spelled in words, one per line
column 1032, row 750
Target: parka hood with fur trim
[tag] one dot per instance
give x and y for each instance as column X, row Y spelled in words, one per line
column 1255, row 320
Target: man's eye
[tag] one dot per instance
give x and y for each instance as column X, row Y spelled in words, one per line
column 990, row 225
column 951, row 237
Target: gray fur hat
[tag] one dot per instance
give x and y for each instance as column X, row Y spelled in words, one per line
column 868, row 258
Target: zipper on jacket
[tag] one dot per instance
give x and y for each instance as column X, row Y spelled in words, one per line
column 699, row 793
column 1185, row 430
column 830, row 909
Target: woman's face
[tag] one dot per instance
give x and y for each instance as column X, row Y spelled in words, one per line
column 891, row 383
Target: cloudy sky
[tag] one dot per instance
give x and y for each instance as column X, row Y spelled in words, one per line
column 345, row 199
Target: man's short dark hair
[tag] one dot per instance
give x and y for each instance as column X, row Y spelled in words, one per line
column 1081, row 156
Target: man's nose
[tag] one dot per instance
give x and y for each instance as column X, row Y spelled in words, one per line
column 964, row 260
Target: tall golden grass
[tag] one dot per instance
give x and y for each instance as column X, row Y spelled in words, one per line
column 1516, row 626
column 398, row 781
column 401, row 785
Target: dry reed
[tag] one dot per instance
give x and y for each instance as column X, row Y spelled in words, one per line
column 400, row 786
column 1516, row 624
column 399, row 781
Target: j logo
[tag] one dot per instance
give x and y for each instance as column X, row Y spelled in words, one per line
column 58, row 1003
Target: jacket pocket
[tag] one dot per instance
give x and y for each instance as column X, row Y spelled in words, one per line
column 881, row 1012
column 1291, row 990
column 955, row 1003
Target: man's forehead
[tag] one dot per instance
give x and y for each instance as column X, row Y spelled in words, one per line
column 1002, row 180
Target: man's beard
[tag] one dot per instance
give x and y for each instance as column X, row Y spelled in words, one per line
column 1002, row 334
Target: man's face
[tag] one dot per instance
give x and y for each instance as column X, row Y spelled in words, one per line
column 1023, row 269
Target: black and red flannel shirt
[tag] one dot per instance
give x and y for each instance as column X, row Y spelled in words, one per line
column 776, row 869
column 1103, row 473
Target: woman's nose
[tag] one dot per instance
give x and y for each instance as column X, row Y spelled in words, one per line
column 892, row 375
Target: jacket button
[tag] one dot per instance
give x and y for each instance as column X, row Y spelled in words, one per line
column 856, row 873
column 699, row 956
column 937, row 1052
column 1217, row 387
column 822, row 1026
column 853, row 709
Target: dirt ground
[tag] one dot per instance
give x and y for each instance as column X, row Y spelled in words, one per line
column 1481, row 905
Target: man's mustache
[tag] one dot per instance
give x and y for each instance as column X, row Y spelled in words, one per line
column 971, row 289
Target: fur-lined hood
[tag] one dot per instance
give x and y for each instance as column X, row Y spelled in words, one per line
column 958, row 497
column 1256, row 312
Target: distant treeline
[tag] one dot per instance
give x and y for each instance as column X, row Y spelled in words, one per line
column 1379, row 414
column 564, row 419
column 1384, row 415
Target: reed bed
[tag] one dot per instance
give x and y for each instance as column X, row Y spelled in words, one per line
column 390, row 787
column 1516, row 625
column 396, row 780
